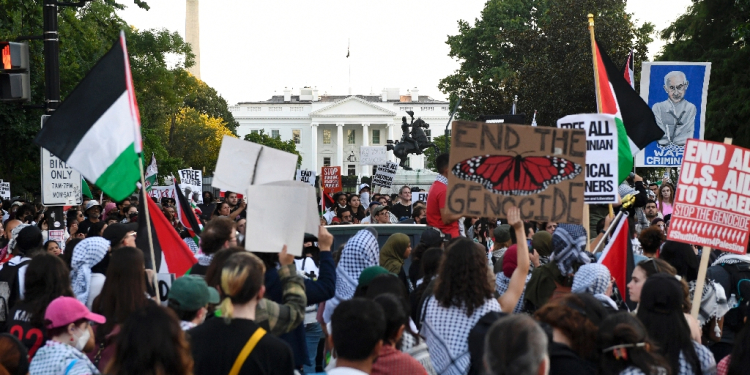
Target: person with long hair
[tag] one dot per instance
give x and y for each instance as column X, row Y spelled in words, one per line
column 660, row 311
column 738, row 361
column 47, row 278
column 123, row 293
column 430, row 263
column 429, row 238
column 464, row 293
column 627, row 349
column 151, row 343
column 217, row 344
column 358, row 211
column 665, row 198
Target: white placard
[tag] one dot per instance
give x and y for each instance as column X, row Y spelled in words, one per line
column 419, row 196
column 5, row 190
column 372, row 155
column 165, row 284
column 287, row 211
column 237, row 165
column 61, row 184
column 385, row 174
column 601, row 155
column 191, row 184
column 308, row 177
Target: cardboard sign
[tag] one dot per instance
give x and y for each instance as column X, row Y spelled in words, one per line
column 165, row 284
column 160, row 192
column 242, row 163
column 419, row 196
column 601, row 155
column 306, row 176
column 5, row 190
column 373, row 155
column 331, row 180
column 712, row 202
column 497, row 166
column 287, row 211
column 191, row 184
column 385, row 174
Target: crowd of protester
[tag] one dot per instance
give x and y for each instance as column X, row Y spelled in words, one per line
column 466, row 296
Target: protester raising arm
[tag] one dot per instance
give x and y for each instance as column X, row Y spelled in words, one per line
column 283, row 318
column 324, row 287
column 240, row 208
column 509, row 299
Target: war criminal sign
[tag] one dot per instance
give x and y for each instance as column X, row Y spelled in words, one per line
column 497, row 166
column 712, row 202
column 601, row 155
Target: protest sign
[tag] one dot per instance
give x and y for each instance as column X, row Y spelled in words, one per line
column 5, row 190
column 287, row 211
column 712, row 202
column 160, row 192
column 331, row 182
column 601, row 155
column 306, row 176
column 372, row 155
column 191, row 184
column 384, row 175
column 242, row 163
column 419, row 196
column 165, row 284
column 497, row 166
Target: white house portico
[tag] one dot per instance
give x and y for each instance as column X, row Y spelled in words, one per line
column 329, row 130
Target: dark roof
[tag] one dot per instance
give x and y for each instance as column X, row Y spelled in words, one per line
column 334, row 98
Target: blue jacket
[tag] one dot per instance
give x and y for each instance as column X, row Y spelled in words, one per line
column 317, row 291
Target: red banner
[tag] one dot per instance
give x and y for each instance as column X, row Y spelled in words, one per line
column 712, row 203
column 331, row 180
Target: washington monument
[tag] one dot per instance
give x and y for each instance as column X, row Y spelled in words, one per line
column 192, row 35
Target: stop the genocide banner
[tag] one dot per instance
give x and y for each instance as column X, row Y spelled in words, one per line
column 712, row 204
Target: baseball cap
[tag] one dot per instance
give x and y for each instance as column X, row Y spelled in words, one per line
column 116, row 232
column 431, row 237
column 380, row 208
column 370, row 273
column 65, row 310
column 363, row 186
column 374, row 204
column 502, row 233
column 191, row 292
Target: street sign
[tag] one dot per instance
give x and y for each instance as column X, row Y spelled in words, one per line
column 61, row 184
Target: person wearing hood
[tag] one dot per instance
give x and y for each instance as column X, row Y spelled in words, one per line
column 541, row 243
column 85, row 267
column 502, row 279
column 25, row 237
column 394, row 251
column 568, row 244
column 595, row 279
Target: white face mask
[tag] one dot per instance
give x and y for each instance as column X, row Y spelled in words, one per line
column 82, row 340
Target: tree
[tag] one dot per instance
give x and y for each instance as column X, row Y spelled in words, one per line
column 206, row 100
column 717, row 31
column 539, row 50
column 196, row 139
column 430, row 155
column 264, row 139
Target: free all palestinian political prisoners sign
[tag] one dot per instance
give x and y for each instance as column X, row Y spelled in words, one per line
column 601, row 155
column 712, row 202
column 497, row 166
column 385, row 174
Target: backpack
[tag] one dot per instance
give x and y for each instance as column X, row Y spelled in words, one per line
column 9, row 290
column 739, row 279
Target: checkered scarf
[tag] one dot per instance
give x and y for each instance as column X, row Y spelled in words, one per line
column 87, row 254
column 360, row 252
column 501, row 286
column 729, row 258
column 568, row 244
column 593, row 278
column 14, row 236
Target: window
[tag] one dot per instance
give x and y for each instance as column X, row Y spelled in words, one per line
column 444, row 108
column 275, row 109
column 428, row 133
column 295, row 109
column 234, row 108
column 404, row 109
column 275, row 134
column 255, row 131
column 351, row 170
column 327, row 137
column 350, row 135
column 253, row 109
column 427, row 108
column 376, row 136
column 326, row 162
column 295, row 135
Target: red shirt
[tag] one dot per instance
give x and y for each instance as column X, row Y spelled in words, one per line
column 394, row 362
column 435, row 202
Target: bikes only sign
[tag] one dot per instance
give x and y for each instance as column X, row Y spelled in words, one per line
column 712, row 202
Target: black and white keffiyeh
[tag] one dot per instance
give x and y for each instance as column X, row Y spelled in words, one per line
column 593, row 278
column 87, row 254
column 360, row 252
column 568, row 244
column 729, row 258
column 714, row 303
column 501, row 286
column 447, row 333
column 14, row 236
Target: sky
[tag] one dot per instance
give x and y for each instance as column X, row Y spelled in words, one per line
column 252, row 50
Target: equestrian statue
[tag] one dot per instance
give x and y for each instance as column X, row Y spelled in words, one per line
column 412, row 142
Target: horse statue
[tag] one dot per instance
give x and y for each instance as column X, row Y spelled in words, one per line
column 412, row 142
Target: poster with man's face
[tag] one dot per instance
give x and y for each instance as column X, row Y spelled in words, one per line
column 677, row 94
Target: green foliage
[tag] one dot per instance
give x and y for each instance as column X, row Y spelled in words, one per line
column 717, row 31
column 207, row 101
column 431, row 155
column 539, row 50
column 274, row 142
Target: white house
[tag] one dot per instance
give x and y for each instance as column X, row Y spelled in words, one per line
column 329, row 129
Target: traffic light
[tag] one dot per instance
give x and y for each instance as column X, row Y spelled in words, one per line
column 15, row 84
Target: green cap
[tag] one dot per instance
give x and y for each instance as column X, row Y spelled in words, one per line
column 191, row 292
column 370, row 273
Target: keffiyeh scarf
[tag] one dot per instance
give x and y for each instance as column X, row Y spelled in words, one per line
column 88, row 253
column 501, row 286
column 14, row 236
column 360, row 252
column 568, row 244
column 713, row 303
column 593, row 279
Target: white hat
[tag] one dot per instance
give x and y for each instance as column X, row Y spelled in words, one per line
column 363, row 186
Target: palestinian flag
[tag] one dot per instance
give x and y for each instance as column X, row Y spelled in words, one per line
column 85, row 190
column 326, row 202
column 96, row 130
column 172, row 253
column 151, row 171
column 185, row 214
column 636, row 126
column 627, row 70
column 617, row 256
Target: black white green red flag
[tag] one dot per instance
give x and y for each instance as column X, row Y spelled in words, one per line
column 617, row 255
column 97, row 130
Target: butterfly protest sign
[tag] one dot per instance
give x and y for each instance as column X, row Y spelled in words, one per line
column 331, row 182
column 384, row 175
column 306, row 176
column 372, row 155
column 712, row 202
column 496, row 166
column 601, row 155
column 191, row 184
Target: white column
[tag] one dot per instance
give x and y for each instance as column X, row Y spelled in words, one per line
column 390, row 127
column 366, row 142
column 314, row 147
column 340, row 146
